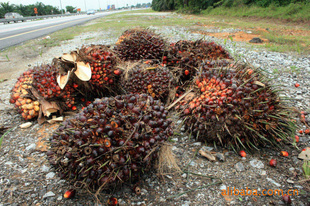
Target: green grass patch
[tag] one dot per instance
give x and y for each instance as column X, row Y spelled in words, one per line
column 292, row 12
column 1, row 138
column 60, row 36
column 284, row 43
column 280, row 38
column 146, row 11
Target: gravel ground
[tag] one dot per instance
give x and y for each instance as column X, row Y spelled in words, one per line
column 26, row 177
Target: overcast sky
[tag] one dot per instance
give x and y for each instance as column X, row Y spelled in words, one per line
column 90, row 4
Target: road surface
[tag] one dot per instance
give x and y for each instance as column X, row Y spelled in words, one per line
column 13, row 34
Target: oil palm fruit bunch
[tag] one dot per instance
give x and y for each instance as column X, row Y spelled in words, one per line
column 138, row 44
column 22, row 98
column 45, row 83
column 93, row 68
column 110, row 142
column 188, row 55
column 125, row 35
column 218, row 63
column 154, row 80
column 236, row 107
column 37, row 91
column 102, row 62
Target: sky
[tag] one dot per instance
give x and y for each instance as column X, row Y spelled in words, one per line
column 90, row 4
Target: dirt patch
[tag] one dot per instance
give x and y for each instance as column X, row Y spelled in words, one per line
column 248, row 34
column 237, row 36
column 43, row 136
column 246, row 29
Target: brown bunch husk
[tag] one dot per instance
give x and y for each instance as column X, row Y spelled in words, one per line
column 167, row 163
column 236, row 107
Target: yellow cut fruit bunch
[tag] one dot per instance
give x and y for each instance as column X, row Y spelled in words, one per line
column 28, row 107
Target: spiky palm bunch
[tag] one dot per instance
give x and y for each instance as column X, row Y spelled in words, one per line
column 137, row 44
column 92, row 68
column 155, row 80
column 236, row 107
column 188, row 55
column 111, row 141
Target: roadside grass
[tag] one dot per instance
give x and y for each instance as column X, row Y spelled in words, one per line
column 126, row 21
column 282, row 36
column 2, row 136
column 280, row 21
column 292, row 12
column 56, row 38
column 149, row 10
column 284, row 45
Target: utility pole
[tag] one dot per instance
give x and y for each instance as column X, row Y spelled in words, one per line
column 61, row 7
column 85, row 6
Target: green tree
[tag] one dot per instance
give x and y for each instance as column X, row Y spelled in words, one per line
column 6, row 7
column 28, row 10
column 71, row 9
column 21, row 9
column 163, row 5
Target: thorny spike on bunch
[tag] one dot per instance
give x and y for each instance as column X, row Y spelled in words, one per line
column 110, row 142
column 138, row 44
column 236, row 107
column 141, row 78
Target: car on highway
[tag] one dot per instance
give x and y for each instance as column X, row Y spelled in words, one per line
column 91, row 11
column 12, row 15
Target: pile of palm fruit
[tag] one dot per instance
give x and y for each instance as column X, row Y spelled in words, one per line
column 112, row 139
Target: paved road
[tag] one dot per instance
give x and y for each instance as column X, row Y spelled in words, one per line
column 13, row 34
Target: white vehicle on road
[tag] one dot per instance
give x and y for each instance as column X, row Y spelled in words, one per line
column 12, row 15
column 91, row 11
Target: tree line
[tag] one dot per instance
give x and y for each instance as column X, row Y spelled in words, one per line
column 28, row 10
column 195, row 6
